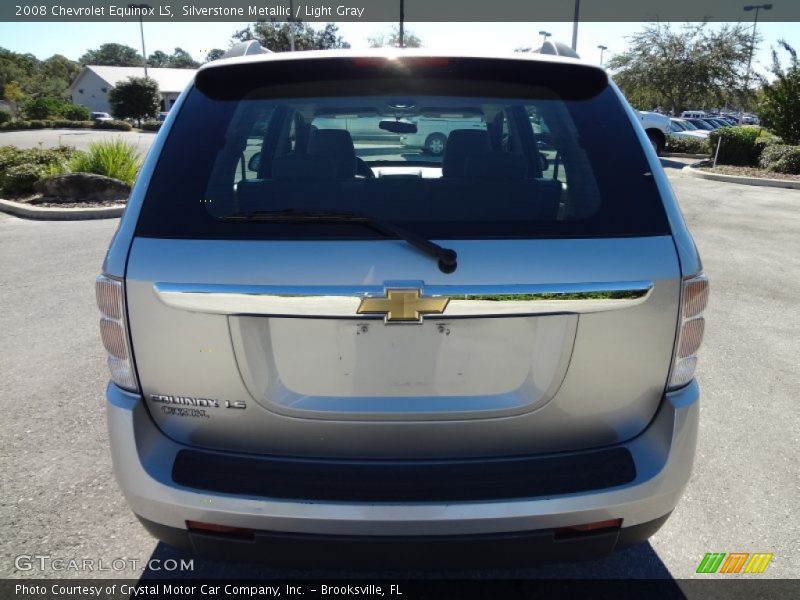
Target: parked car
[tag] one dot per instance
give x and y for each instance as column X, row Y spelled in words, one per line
column 433, row 131
column 687, row 125
column 676, row 131
column 657, row 127
column 693, row 114
column 320, row 357
column 101, row 116
column 702, row 124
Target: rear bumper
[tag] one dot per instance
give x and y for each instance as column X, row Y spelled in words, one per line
column 144, row 458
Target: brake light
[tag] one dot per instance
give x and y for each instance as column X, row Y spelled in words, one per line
column 114, row 333
column 692, row 327
column 392, row 60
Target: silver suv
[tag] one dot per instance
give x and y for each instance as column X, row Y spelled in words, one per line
column 335, row 349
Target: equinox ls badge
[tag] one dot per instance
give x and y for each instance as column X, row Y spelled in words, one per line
column 403, row 306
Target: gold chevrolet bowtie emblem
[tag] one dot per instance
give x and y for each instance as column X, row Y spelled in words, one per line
column 402, row 306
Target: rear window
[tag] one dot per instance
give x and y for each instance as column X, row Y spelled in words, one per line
column 446, row 148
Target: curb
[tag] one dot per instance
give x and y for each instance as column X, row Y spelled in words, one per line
column 46, row 213
column 757, row 181
column 683, row 155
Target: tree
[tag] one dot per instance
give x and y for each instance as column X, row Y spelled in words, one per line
column 21, row 68
column 14, row 95
column 690, row 68
column 137, row 98
column 276, row 36
column 158, row 59
column 179, row 59
column 115, row 55
column 392, row 39
column 779, row 106
column 214, row 54
column 37, row 78
column 42, row 108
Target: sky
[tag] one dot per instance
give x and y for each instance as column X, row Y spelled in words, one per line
column 73, row 39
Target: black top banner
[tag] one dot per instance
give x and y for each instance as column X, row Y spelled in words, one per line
column 389, row 10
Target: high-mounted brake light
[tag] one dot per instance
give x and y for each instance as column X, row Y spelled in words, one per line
column 114, row 333
column 413, row 61
column 692, row 327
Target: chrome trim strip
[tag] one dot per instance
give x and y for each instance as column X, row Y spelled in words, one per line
column 343, row 301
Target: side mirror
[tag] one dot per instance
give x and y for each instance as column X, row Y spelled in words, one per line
column 254, row 164
column 398, row 126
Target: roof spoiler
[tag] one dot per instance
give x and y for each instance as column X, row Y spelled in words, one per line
column 557, row 49
column 246, row 49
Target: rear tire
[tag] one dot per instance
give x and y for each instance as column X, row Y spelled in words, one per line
column 435, row 143
column 657, row 141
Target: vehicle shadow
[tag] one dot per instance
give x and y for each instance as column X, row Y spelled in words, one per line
column 636, row 562
column 672, row 164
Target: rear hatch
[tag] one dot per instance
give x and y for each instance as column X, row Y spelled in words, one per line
column 280, row 300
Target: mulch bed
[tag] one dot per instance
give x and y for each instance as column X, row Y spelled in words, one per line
column 56, row 203
column 749, row 172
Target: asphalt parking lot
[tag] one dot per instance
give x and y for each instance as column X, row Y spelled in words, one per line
column 59, row 497
column 78, row 138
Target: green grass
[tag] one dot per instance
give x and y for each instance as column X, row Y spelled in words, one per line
column 112, row 158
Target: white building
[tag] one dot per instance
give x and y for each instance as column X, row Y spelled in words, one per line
column 92, row 84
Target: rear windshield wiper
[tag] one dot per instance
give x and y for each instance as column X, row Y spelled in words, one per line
column 446, row 257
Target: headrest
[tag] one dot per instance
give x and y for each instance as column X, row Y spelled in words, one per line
column 304, row 167
column 494, row 165
column 460, row 144
column 338, row 145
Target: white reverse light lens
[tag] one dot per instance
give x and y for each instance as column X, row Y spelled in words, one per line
column 113, row 332
column 692, row 327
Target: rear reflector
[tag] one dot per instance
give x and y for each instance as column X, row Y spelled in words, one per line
column 607, row 525
column 201, row 527
column 692, row 328
column 113, row 332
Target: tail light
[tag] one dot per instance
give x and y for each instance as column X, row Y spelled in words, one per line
column 114, row 332
column 692, row 326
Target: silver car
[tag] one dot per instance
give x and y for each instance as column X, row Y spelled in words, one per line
column 324, row 351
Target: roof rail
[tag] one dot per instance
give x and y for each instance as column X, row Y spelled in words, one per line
column 246, row 49
column 557, row 49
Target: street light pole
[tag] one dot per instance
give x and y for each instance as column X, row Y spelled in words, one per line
column 401, row 32
column 602, row 49
column 141, row 31
column 291, row 25
column 575, row 20
column 756, row 8
column 545, row 35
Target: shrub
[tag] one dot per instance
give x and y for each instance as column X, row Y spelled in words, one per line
column 73, row 124
column 115, row 125
column 687, row 145
column 19, row 179
column 741, row 146
column 781, row 158
column 26, row 125
column 151, row 125
column 779, row 107
column 21, row 168
column 42, row 108
column 5, row 117
column 75, row 112
column 112, row 158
